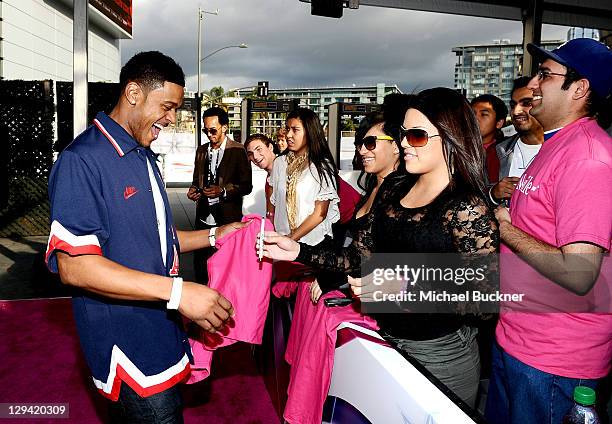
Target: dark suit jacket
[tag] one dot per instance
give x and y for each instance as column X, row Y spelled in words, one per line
column 233, row 175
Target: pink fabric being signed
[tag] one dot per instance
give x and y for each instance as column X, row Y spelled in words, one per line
column 310, row 352
column 284, row 288
column 235, row 271
column 288, row 275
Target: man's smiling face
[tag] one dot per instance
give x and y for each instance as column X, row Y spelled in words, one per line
column 155, row 110
column 520, row 105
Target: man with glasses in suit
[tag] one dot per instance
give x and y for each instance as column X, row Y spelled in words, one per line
column 221, row 177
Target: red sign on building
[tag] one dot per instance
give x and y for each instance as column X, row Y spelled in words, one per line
column 118, row 11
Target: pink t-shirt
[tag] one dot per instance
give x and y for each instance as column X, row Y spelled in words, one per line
column 563, row 197
column 235, row 271
column 310, row 352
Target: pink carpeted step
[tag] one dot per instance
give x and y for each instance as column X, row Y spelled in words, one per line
column 41, row 362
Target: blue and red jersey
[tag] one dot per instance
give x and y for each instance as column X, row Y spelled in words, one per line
column 102, row 204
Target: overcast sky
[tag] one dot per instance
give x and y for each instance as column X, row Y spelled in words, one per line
column 291, row 48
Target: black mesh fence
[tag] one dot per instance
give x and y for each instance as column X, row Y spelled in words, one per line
column 26, row 134
column 102, row 96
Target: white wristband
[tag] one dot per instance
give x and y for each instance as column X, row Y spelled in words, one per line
column 212, row 236
column 175, row 294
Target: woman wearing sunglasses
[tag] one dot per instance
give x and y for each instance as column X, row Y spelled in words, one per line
column 379, row 153
column 443, row 211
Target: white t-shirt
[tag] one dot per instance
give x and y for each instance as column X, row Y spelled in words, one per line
column 522, row 156
column 215, row 156
column 309, row 190
column 160, row 212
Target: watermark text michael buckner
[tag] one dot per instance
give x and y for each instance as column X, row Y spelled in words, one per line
column 456, row 283
column 458, row 276
column 444, row 296
column 431, row 283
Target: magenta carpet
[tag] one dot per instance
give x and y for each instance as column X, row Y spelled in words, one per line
column 41, row 362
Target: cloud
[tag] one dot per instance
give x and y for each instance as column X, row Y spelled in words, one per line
column 291, row 48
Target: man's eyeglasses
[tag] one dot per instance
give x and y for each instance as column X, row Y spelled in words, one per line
column 211, row 131
column 543, row 74
column 416, row 137
column 370, row 141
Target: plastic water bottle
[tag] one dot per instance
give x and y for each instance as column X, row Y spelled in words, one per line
column 583, row 411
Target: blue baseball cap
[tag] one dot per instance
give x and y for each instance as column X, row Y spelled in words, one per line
column 590, row 58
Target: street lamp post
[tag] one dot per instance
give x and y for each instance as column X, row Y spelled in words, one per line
column 201, row 14
column 239, row 46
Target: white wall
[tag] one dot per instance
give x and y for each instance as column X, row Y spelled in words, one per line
column 37, row 43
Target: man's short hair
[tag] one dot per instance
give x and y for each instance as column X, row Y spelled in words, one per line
column 219, row 112
column 151, row 70
column 520, row 82
column 501, row 110
column 261, row 137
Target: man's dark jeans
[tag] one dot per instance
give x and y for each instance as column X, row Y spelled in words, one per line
column 162, row 408
column 519, row 393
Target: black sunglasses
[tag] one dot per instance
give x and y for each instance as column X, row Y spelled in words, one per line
column 370, row 141
column 211, row 131
column 415, row 137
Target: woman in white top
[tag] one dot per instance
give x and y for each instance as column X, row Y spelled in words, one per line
column 304, row 193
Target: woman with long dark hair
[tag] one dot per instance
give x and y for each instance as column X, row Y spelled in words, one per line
column 385, row 123
column 378, row 148
column 303, row 181
column 443, row 211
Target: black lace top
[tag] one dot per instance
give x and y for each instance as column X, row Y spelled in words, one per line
column 455, row 222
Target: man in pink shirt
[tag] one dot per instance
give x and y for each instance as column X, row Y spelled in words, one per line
column 560, row 221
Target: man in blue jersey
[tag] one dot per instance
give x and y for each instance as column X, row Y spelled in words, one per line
column 113, row 237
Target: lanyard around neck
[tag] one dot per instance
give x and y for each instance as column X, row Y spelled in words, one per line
column 212, row 174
